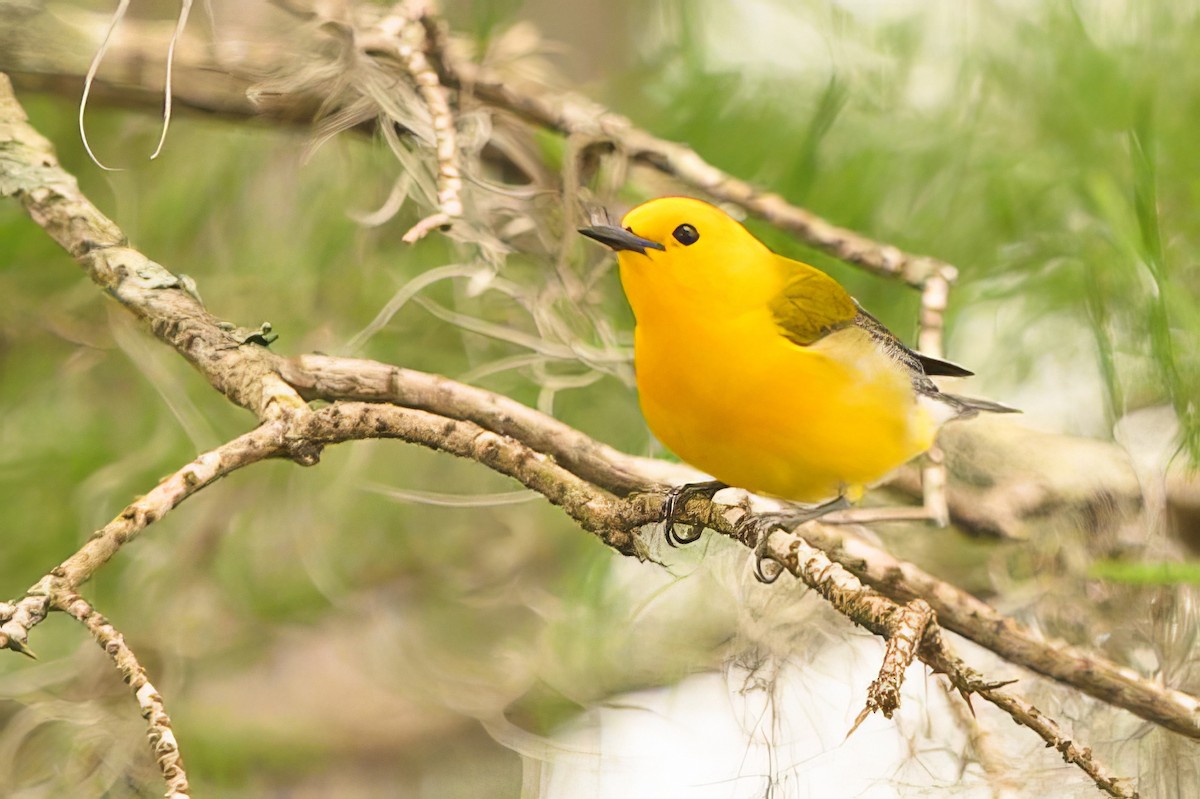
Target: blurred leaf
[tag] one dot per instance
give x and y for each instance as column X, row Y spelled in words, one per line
column 1167, row 573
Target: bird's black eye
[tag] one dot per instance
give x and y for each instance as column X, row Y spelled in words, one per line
column 686, row 234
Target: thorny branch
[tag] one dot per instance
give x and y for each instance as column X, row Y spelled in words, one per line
column 1049, row 731
column 592, row 483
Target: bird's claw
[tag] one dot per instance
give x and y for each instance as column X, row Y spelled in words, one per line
column 761, row 556
column 758, row 528
column 676, row 497
column 674, row 538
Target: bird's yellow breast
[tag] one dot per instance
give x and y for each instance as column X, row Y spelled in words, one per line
column 728, row 393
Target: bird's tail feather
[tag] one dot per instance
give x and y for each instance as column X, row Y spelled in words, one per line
column 969, row 406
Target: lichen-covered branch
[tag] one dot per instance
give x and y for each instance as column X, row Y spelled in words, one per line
column 331, row 378
column 595, row 509
column 909, row 629
column 228, row 358
column 613, row 519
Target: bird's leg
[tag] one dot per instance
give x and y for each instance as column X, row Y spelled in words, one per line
column 679, row 495
column 757, row 527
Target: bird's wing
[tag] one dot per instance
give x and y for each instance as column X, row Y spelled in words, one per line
column 812, row 305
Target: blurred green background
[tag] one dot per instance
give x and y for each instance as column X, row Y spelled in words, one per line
column 329, row 631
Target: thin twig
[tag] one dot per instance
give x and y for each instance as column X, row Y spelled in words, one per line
column 57, row 589
column 402, row 34
column 967, row 682
column 159, row 731
column 935, row 295
column 267, row 441
column 1049, row 731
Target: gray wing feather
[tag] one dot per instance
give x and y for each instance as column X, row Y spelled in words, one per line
column 920, row 366
column 895, row 348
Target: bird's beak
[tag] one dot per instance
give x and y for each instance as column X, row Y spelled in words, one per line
column 620, row 239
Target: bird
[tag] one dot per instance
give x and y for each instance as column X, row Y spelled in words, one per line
column 763, row 371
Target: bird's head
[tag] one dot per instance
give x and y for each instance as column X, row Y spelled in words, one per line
column 687, row 248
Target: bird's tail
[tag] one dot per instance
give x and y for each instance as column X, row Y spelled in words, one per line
column 969, row 406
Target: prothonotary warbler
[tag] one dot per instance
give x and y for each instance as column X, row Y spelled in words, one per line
column 763, row 371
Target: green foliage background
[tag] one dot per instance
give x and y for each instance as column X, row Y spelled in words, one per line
column 1047, row 150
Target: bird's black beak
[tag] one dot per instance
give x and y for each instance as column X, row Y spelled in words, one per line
column 620, row 239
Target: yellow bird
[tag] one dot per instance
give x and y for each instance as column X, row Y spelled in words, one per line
column 763, row 371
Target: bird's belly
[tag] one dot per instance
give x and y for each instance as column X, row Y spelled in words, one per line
column 777, row 418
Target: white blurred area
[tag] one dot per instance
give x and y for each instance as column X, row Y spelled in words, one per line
column 774, row 724
column 723, row 735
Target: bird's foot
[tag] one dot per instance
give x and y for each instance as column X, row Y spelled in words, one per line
column 676, row 498
column 757, row 527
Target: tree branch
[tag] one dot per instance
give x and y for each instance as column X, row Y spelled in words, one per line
column 402, row 35
column 909, row 629
column 330, row 378
column 562, row 112
column 54, row 590
column 592, row 483
column 227, row 357
column 57, row 590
